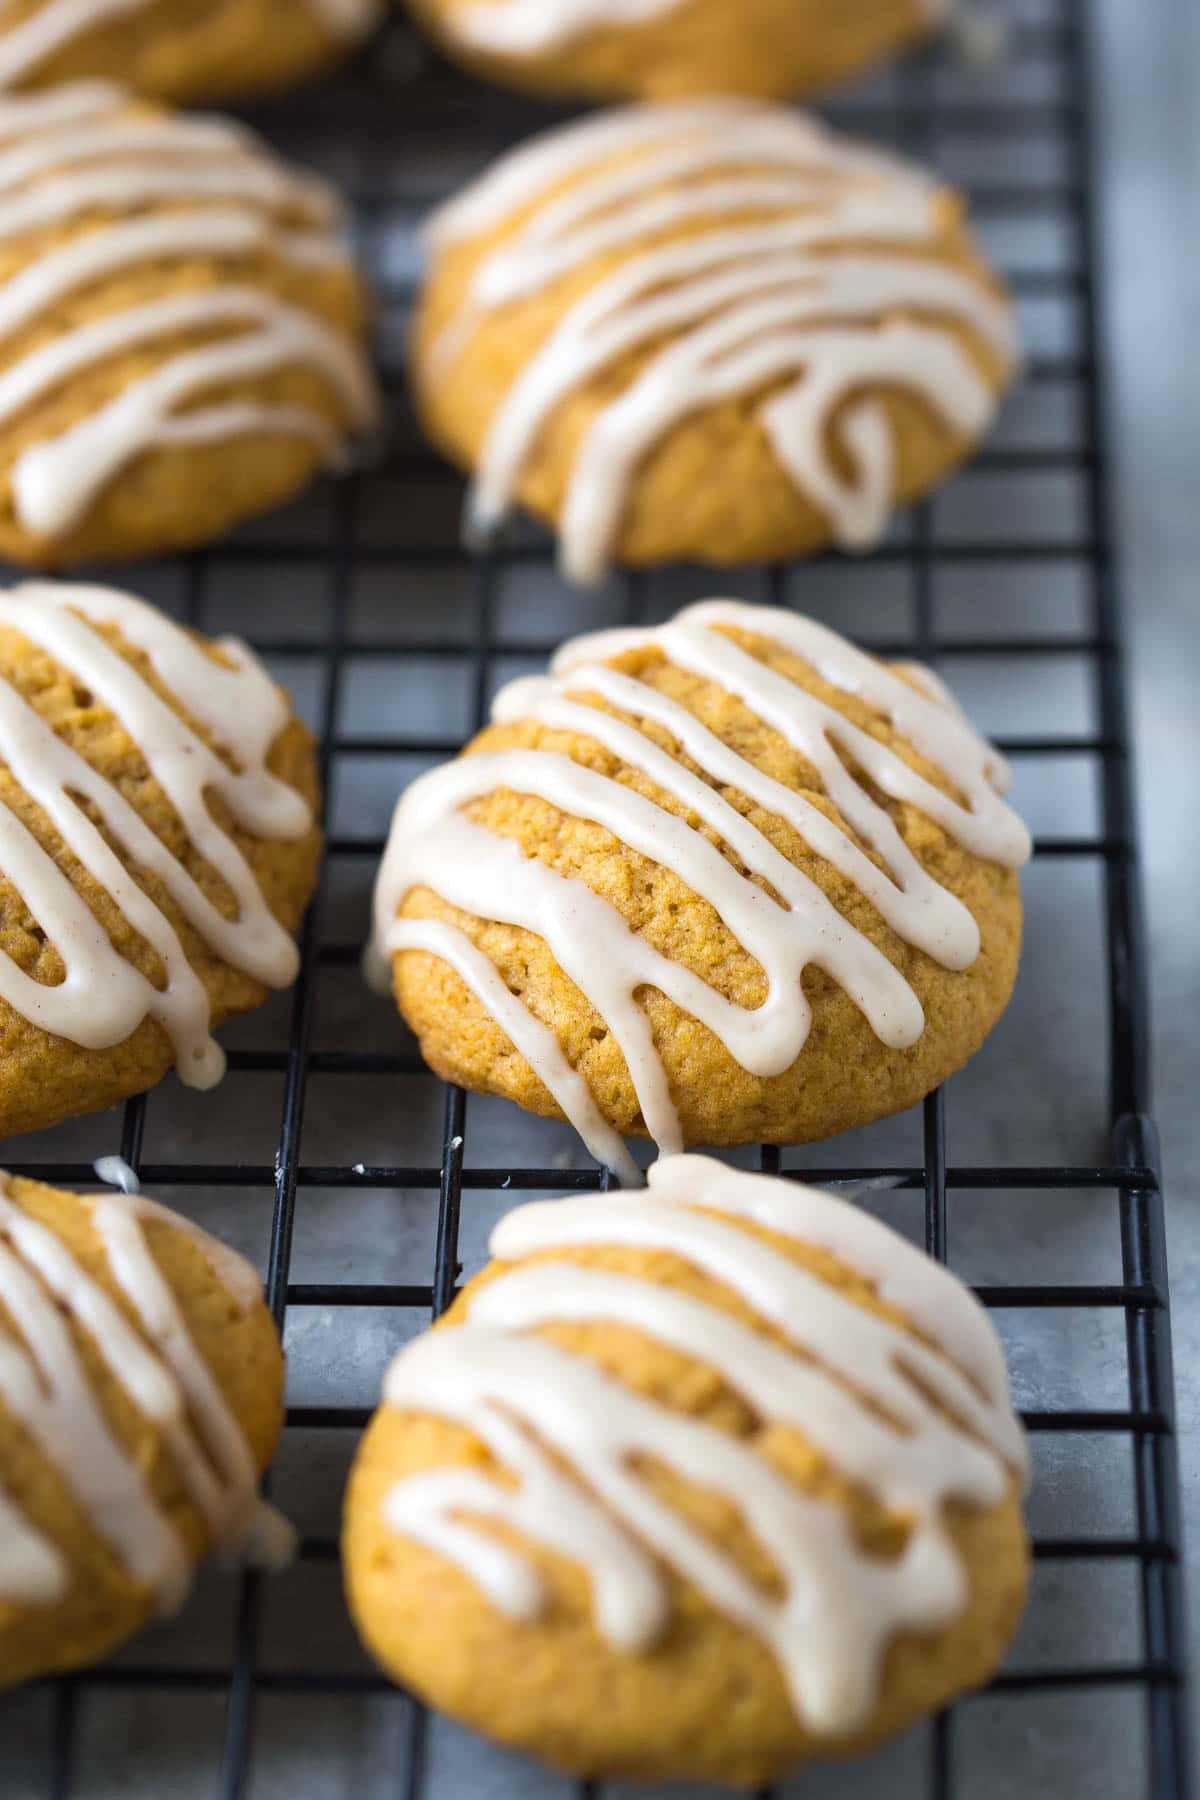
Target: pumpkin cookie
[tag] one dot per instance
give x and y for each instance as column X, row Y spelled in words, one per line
column 693, row 1483
column 181, row 330
column 725, row 881
column 667, row 49
column 141, row 1396
column 178, row 49
column 158, row 846
column 712, row 331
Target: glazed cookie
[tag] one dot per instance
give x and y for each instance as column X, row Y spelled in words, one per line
column 181, row 330
column 725, row 881
column 693, row 1483
column 666, row 49
column 158, row 846
column 178, row 51
column 141, row 1396
column 711, row 331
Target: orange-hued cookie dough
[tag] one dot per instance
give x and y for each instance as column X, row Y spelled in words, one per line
column 722, row 881
column 712, row 331
column 182, row 330
column 158, row 846
column 178, row 49
column 141, row 1396
column 668, row 49
column 693, row 1483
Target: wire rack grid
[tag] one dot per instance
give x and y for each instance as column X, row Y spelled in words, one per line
column 367, row 586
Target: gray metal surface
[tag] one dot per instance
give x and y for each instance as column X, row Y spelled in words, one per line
column 1151, row 131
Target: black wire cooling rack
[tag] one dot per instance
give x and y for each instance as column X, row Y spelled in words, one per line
column 399, row 132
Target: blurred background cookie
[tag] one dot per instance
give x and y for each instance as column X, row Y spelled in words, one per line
column 723, row 881
column 141, row 1396
column 158, row 846
column 195, row 50
column 712, row 331
column 181, row 328
column 697, row 1482
column 662, row 49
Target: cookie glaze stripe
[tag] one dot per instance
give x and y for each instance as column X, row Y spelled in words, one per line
column 535, row 27
column 539, row 27
column 56, row 24
column 889, row 1412
column 103, row 998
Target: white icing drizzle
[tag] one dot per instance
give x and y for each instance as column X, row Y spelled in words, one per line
column 57, row 23
column 65, row 105
column 835, row 289
column 535, row 1041
column 33, row 1571
column 536, row 27
column 539, row 27
column 114, row 1171
column 911, row 1425
column 433, row 845
column 103, row 998
column 45, row 1383
column 65, row 155
column 266, row 1539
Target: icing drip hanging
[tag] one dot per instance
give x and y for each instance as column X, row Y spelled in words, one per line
column 216, row 192
column 911, row 1424
column 434, row 845
column 103, row 998
column 793, row 263
column 45, row 1383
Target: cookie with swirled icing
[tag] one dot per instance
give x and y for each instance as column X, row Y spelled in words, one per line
column 665, row 49
column 711, row 330
column 696, row 1482
column 181, row 328
column 141, row 1396
column 158, row 845
column 204, row 49
column 721, row 881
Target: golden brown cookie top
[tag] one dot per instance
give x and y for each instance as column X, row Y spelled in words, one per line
column 537, row 27
column 706, row 809
column 659, row 263
column 729, row 1384
column 149, row 782
column 164, row 280
column 133, row 1439
column 664, row 49
column 163, row 48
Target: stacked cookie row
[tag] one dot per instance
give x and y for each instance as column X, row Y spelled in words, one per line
column 707, row 330
column 649, row 48
column 727, row 1449
column 702, row 1480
